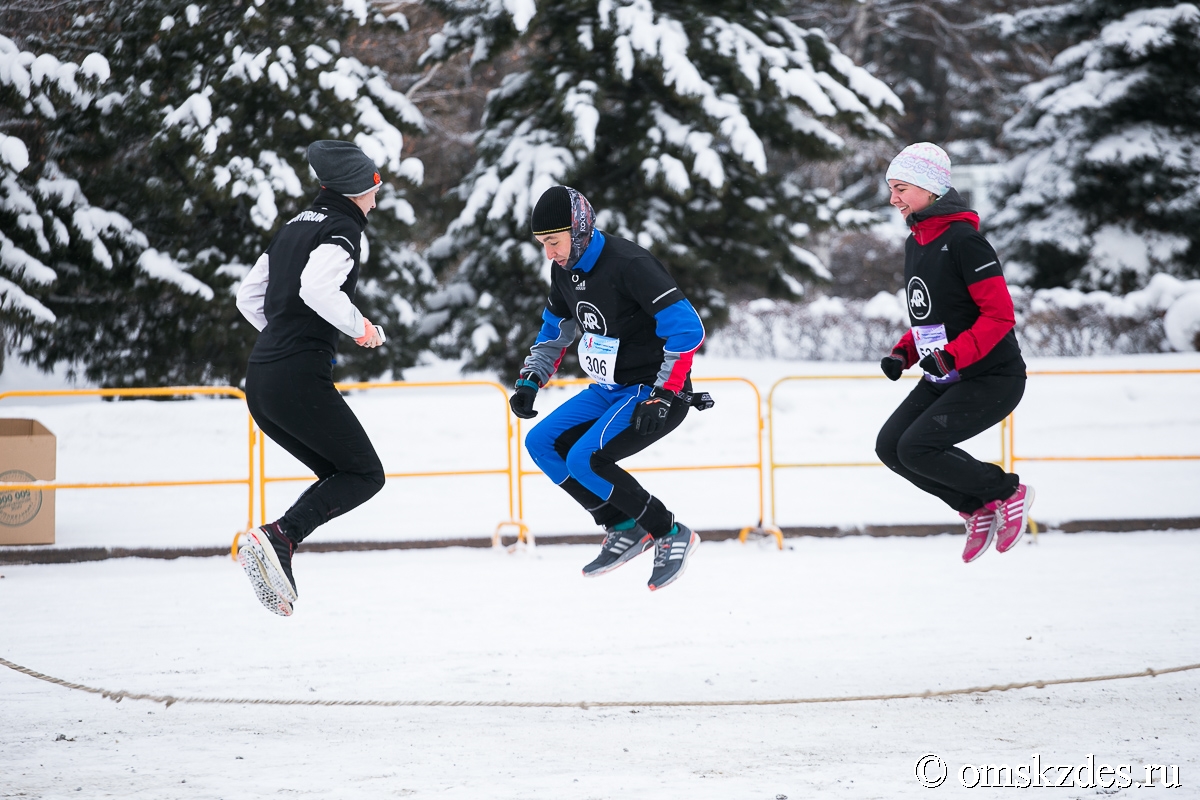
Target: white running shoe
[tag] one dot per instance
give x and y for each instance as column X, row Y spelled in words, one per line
column 266, row 556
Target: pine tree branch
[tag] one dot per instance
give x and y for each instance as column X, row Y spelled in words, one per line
column 30, row 7
column 931, row 12
column 424, row 79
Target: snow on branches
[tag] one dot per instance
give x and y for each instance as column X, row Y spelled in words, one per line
column 1105, row 190
column 665, row 116
column 342, row 86
column 199, row 137
column 46, row 216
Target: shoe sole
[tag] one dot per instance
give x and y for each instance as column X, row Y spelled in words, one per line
column 264, row 551
column 693, row 546
column 629, row 555
column 261, row 583
column 1030, row 494
column 262, row 567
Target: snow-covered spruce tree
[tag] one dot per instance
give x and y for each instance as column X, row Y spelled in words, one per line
column 47, row 225
column 945, row 59
column 200, row 142
column 1105, row 189
column 666, row 116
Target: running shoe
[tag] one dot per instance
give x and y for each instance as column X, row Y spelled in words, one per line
column 671, row 554
column 981, row 527
column 619, row 547
column 1013, row 516
column 266, row 555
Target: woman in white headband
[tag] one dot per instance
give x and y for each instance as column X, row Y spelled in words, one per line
column 963, row 339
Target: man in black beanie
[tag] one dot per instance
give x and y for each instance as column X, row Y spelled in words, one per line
column 639, row 336
column 300, row 296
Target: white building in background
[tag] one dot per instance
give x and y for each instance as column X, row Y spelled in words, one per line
column 975, row 183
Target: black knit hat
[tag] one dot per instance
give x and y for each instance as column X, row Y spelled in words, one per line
column 343, row 167
column 552, row 214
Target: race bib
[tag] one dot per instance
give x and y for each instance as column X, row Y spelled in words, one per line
column 598, row 357
column 929, row 338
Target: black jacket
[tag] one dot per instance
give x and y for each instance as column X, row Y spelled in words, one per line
column 947, row 279
column 619, row 290
column 292, row 326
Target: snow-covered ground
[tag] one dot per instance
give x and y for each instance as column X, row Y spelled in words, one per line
column 465, row 429
column 824, row 618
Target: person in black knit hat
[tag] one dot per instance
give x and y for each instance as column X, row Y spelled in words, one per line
column 639, row 334
column 300, row 296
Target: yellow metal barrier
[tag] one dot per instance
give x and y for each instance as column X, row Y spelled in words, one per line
column 167, row 391
column 1013, row 458
column 774, row 465
column 1007, row 428
column 514, row 472
column 1012, row 453
column 760, row 528
column 507, row 471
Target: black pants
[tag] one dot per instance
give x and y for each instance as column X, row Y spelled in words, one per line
column 917, row 442
column 294, row 402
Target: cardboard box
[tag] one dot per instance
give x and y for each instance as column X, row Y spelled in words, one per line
column 27, row 453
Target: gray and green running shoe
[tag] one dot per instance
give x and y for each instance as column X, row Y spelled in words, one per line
column 619, row 547
column 671, row 554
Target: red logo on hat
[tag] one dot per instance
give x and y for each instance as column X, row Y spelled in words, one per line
column 377, row 181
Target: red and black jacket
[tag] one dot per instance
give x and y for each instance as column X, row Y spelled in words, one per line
column 952, row 277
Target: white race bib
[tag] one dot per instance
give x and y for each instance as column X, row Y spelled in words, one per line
column 929, row 338
column 598, row 357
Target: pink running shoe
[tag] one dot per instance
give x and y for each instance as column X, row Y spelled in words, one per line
column 981, row 527
column 1013, row 516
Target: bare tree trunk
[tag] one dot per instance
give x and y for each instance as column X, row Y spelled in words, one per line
column 857, row 40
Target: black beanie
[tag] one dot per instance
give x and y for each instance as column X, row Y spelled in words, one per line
column 343, row 167
column 552, row 214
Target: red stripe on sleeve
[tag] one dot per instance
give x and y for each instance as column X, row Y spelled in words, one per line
column 996, row 318
column 680, row 370
column 908, row 348
column 557, row 364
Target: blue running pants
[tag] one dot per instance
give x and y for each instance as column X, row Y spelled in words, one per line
column 579, row 444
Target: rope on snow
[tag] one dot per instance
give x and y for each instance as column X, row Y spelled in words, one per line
column 170, row 700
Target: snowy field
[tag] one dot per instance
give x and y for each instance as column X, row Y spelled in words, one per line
column 824, row 618
column 465, row 429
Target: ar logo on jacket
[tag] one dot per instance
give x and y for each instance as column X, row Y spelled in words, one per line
column 920, row 304
column 591, row 319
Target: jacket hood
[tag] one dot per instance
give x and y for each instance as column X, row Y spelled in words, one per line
column 932, row 222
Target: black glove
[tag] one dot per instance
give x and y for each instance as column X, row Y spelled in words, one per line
column 939, row 363
column 650, row 415
column 521, row 402
column 892, row 366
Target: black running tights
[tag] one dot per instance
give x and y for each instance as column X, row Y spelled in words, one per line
column 294, row 402
column 917, row 442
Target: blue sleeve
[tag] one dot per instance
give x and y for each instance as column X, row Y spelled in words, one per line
column 551, row 327
column 680, row 326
